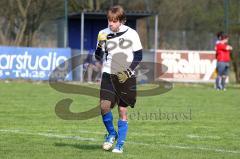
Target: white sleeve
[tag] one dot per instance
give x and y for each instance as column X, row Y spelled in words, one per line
column 136, row 42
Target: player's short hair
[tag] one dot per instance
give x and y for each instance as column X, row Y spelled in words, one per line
column 220, row 34
column 116, row 13
column 224, row 36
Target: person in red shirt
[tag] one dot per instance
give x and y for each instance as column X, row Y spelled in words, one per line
column 223, row 51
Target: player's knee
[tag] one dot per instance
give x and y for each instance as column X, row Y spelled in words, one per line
column 123, row 113
column 105, row 106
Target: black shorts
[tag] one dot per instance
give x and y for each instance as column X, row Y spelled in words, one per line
column 124, row 94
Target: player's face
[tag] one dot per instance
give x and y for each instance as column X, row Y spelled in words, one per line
column 114, row 25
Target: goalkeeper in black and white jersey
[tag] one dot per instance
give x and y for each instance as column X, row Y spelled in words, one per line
column 120, row 50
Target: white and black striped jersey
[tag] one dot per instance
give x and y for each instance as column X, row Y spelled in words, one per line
column 119, row 48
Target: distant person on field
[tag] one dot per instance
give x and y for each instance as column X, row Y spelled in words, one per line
column 219, row 36
column 223, row 59
column 92, row 66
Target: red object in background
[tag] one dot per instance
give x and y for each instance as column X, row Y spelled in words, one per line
column 222, row 54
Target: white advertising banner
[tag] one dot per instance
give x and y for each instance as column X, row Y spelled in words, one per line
column 186, row 65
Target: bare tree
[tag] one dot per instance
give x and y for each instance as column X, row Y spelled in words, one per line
column 20, row 19
column 78, row 5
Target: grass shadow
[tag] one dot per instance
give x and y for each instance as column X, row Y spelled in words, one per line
column 79, row 146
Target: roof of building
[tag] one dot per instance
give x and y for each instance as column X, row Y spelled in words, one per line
column 100, row 14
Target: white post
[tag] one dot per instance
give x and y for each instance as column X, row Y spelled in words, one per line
column 155, row 43
column 65, row 23
column 156, row 34
column 82, row 44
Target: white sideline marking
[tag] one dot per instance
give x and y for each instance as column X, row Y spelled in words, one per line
column 188, row 147
column 203, row 137
column 66, row 137
column 155, row 146
column 49, row 135
column 101, row 133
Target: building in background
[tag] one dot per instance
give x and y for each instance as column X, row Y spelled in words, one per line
column 86, row 34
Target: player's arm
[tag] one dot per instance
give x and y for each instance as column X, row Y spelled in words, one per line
column 229, row 47
column 99, row 50
column 224, row 47
column 137, row 58
column 99, row 53
column 124, row 75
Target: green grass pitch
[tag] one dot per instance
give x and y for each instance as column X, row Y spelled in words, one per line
column 190, row 121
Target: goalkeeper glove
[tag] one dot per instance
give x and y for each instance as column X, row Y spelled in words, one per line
column 102, row 37
column 124, row 75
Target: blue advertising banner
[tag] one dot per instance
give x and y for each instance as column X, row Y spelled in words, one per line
column 33, row 63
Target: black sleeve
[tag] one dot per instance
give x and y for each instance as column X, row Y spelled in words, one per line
column 99, row 54
column 137, row 58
